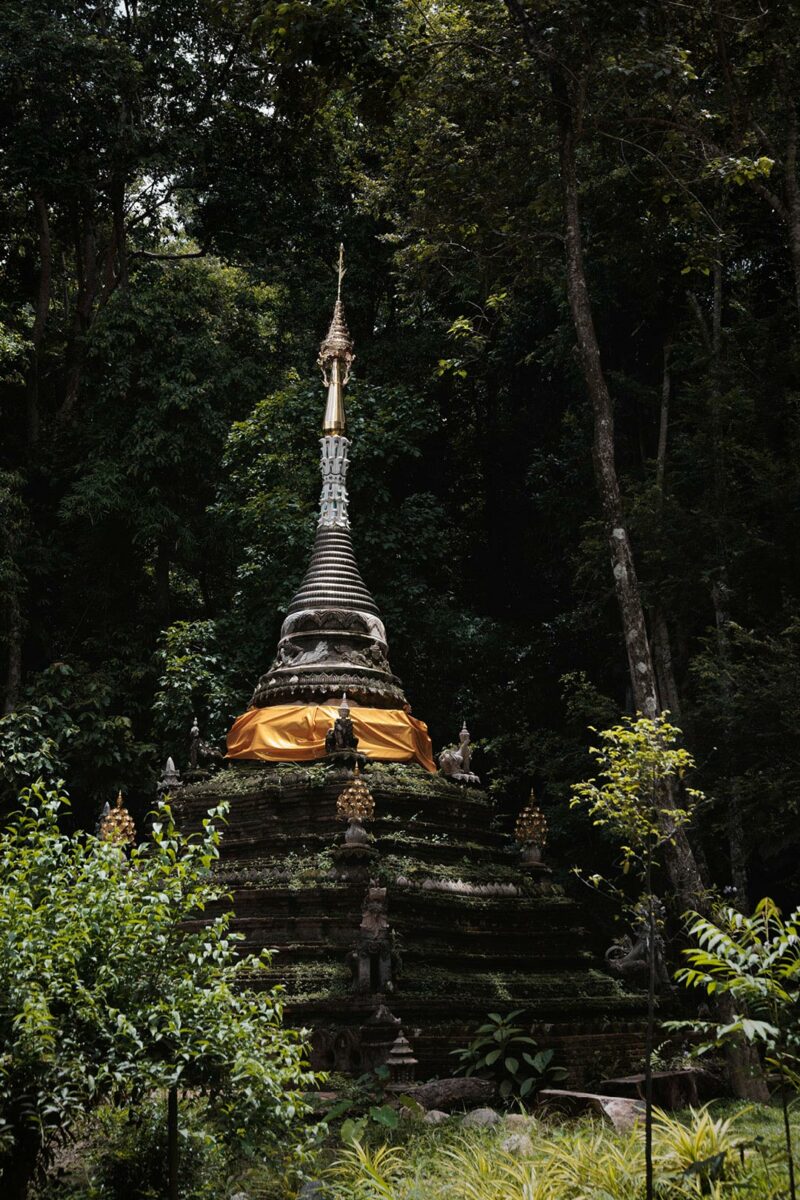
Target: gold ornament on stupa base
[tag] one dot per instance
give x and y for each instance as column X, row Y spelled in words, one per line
column 530, row 831
column 116, row 824
column 355, row 805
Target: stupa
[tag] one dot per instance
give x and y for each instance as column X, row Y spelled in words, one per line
column 430, row 919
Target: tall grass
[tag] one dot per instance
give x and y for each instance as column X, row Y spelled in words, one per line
column 698, row 1154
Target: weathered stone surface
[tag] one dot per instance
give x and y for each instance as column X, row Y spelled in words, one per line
column 435, row 1117
column 518, row 1144
column 620, row 1112
column 446, row 1094
column 480, row 1118
column 439, row 955
column 623, row 1114
column 516, row 1121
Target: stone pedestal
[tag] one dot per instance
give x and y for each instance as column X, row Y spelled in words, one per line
column 354, row 861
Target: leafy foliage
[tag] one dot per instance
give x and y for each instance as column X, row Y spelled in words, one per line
column 503, row 1051
column 109, row 992
column 173, row 181
column 756, row 960
column 638, row 760
column 568, row 1161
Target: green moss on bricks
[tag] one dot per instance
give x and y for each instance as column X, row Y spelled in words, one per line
column 394, row 865
column 309, row 980
column 248, row 778
column 584, row 987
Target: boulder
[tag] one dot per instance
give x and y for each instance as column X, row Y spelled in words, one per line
column 623, row 1114
column 516, row 1121
column 518, row 1144
column 446, row 1094
column 435, row 1116
column 620, row 1112
column 480, row 1118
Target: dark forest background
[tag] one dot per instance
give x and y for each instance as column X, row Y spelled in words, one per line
column 174, row 182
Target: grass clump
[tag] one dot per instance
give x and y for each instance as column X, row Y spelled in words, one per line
column 716, row 1151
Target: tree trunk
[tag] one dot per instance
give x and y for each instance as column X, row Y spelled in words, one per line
column 791, row 190
column 40, row 319
column 680, row 863
column 665, row 670
column 736, row 845
column 161, row 573
column 669, row 697
column 640, row 662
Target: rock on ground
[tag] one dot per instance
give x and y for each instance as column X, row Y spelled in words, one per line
column 445, row 1094
column 518, row 1144
column 623, row 1114
column 480, row 1118
column 435, row 1117
column 618, row 1111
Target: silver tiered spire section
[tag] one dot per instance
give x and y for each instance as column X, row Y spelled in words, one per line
column 333, row 639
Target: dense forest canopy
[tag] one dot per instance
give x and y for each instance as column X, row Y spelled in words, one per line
column 174, row 181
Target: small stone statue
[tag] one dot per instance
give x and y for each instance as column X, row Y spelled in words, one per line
column 341, row 735
column 194, row 745
column 199, row 749
column 455, row 762
column 629, row 956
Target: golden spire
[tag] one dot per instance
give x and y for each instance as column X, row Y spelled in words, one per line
column 116, row 824
column 335, row 359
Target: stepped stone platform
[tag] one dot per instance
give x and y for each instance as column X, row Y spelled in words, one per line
column 404, row 941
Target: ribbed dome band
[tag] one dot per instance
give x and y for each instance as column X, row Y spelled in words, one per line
column 333, row 579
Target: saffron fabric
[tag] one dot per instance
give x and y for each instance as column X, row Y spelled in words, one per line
column 296, row 733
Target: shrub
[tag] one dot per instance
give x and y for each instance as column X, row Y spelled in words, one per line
column 116, row 984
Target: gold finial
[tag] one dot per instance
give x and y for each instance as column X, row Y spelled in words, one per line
column 531, row 827
column 116, row 824
column 335, row 359
column 355, row 802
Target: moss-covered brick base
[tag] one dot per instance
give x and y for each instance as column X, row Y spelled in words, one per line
column 449, row 927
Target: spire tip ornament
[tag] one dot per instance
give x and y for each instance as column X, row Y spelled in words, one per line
column 336, row 357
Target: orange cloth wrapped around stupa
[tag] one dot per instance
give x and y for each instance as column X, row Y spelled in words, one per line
column 296, row 733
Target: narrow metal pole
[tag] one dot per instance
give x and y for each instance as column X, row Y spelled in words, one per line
column 172, row 1142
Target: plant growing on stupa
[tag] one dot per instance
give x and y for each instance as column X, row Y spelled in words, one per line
column 115, row 985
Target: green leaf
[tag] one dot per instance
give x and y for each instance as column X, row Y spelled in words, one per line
column 385, row 1116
